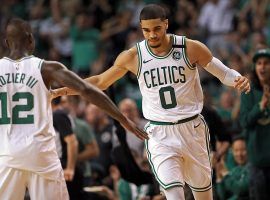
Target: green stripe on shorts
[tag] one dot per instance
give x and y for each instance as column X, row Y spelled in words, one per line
column 163, row 185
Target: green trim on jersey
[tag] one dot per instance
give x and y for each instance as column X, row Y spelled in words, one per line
column 184, row 54
column 18, row 60
column 163, row 185
column 174, row 123
column 160, row 57
column 147, row 126
column 139, row 60
column 207, row 139
column 40, row 63
column 203, row 189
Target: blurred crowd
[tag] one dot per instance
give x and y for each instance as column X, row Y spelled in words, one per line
column 87, row 35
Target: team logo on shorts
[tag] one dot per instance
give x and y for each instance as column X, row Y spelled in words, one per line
column 176, row 55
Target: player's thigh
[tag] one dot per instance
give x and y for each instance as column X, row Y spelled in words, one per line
column 12, row 183
column 44, row 189
column 197, row 167
column 165, row 163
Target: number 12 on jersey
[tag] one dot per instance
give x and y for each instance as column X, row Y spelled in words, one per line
column 15, row 115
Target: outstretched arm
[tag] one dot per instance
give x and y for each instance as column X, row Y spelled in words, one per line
column 55, row 71
column 198, row 53
column 107, row 78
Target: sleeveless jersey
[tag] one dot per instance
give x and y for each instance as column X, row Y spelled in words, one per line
column 27, row 134
column 170, row 85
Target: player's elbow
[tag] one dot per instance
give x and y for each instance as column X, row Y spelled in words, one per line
column 101, row 84
column 98, row 82
column 103, row 87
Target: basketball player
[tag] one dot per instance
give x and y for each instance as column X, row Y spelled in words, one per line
column 28, row 157
column 172, row 99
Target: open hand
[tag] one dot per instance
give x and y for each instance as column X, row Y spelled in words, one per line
column 242, row 84
column 130, row 126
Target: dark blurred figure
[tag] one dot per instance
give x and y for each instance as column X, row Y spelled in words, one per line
column 130, row 110
column 255, row 119
column 219, row 137
column 103, row 130
column 67, row 149
column 88, row 147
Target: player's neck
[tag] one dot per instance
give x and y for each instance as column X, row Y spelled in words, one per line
column 164, row 48
column 17, row 54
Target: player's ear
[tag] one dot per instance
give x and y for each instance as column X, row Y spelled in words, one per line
column 6, row 43
column 30, row 37
column 31, row 42
column 166, row 24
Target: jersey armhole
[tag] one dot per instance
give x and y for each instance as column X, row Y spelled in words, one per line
column 185, row 55
column 40, row 64
column 43, row 84
column 139, row 60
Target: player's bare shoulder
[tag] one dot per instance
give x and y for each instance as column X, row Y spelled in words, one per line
column 128, row 59
column 197, row 52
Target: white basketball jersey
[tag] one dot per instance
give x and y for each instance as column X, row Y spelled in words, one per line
column 27, row 134
column 169, row 84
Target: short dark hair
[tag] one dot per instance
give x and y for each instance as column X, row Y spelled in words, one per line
column 21, row 29
column 261, row 53
column 254, row 77
column 238, row 137
column 153, row 11
column 18, row 22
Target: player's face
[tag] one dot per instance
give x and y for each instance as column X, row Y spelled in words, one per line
column 263, row 69
column 154, row 31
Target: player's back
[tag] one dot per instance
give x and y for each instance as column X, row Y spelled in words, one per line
column 27, row 134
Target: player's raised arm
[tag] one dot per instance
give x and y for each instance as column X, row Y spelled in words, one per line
column 107, row 78
column 198, row 53
column 55, row 71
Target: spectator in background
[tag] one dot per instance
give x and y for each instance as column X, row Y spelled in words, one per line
column 68, row 147
column 103, row 129
column 86, row 43
column 129, row 109
column 216, row 19
column 255, row 119
column 54, row 32
column 88, row 147
column 219, row 137
column 226, row 105
column 234, row 184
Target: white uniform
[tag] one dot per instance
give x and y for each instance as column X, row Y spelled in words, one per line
column 28, row 155
column 172, row 100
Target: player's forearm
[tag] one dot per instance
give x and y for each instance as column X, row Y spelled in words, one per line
column 88, row 153
column 72, row 153
column 92, row 80
column 101, row 100
column 226, row 75
column 67, row 91
column 222, row 148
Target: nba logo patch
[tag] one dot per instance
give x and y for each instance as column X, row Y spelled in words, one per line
column 176, row 55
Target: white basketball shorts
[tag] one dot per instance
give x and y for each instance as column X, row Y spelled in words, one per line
column 13, row 184
column 179, row 154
